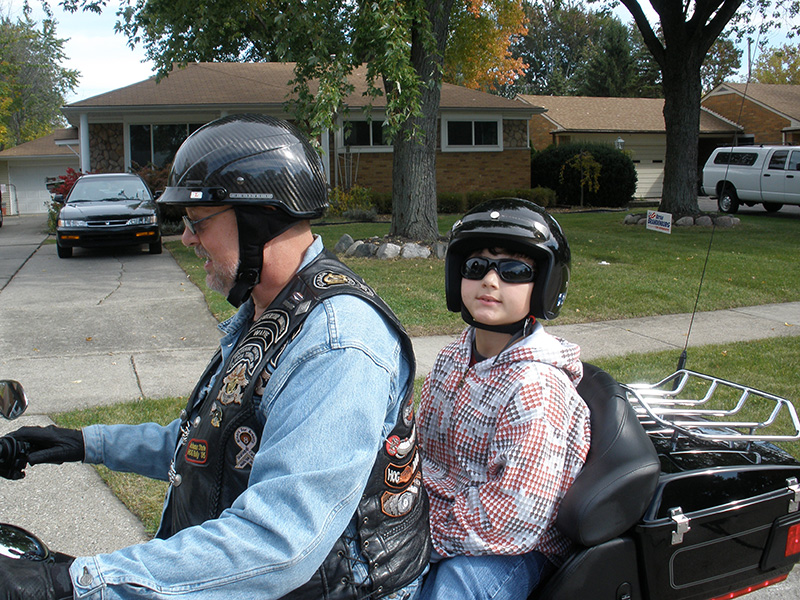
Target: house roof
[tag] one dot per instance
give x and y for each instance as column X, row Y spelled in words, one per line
column 631, row 115
column 781, row 98
column 53, row 145
column 262, row 84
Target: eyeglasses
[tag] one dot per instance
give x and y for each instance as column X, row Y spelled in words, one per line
column 509, row 270
column 190, row 225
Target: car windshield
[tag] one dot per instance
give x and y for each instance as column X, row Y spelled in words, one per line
column 108, row 189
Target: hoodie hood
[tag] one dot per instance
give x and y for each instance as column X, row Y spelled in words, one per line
column 538, row 347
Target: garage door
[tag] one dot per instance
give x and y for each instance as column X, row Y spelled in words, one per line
column 649, row 162
column 29, row 180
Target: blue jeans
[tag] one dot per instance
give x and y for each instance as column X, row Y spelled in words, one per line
column 492, row 577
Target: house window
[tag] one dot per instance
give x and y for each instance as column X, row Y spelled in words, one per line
column 365, row 134
column 157, row 144
column 471, row 134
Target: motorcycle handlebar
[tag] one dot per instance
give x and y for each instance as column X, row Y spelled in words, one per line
column 13, row 458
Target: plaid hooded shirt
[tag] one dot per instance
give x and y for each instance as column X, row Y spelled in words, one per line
column 502, row 441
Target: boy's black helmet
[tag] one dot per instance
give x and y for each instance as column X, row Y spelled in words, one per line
column 518, row 226
column 265, row 168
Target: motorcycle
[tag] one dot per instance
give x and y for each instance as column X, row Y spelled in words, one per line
column 684, row 494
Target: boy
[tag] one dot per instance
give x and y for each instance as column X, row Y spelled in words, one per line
column 503, row 429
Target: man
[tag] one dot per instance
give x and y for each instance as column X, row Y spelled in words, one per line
column 293, row 470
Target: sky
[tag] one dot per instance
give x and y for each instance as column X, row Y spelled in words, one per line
column 101, row 56
column 104, row 59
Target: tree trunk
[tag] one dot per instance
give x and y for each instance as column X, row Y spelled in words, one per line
column 682, row 93
column 414, row 160
column 414, row 173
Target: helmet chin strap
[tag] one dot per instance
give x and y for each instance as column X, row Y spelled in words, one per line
column 257, row 226
column 522, row 326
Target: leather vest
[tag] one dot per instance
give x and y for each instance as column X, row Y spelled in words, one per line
column 220, row 436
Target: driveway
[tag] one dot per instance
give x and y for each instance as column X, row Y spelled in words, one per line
column 102, row 327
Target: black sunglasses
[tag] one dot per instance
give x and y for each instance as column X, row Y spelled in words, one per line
column 510, row 270
column 190, row 225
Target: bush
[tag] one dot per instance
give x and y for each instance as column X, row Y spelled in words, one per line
column 542, row 196
column 616, row 180
column 356, row 198
column 450, row 202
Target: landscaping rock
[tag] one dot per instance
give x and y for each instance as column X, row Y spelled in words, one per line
column 723, row 222
column 343, row 244
column 413, row 250
column 704, row 221
column 387, row 251
column 439, row 250
column 353, row 247
column 684, row 222
column 365, row 250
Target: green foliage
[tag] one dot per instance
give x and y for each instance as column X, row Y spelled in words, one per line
column 542, row 196
column 451, row 202
column 356, row 199
column 616, row 180
column 779, row 65
column 33, row 85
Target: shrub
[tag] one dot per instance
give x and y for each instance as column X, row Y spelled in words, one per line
column 450, row 202
column 355, row 199
column 542, row 196
column 616, row 179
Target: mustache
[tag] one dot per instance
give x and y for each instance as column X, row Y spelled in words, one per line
column 201, row 252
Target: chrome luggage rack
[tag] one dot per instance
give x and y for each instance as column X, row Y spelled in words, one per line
column 709, row 410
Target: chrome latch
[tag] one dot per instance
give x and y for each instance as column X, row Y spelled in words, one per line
column 794, row 488
column 681, row 525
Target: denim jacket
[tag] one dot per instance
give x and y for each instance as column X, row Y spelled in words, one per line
column 325, row 414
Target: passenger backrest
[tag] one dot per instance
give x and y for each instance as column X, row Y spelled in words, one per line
column 621, row 472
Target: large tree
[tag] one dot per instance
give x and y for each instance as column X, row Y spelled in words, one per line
column 33, row 83
column 778, row 65
column 401, row 42
column 688, row 29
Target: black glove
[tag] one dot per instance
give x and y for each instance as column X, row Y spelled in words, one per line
column 34, row 580
column 51, row 444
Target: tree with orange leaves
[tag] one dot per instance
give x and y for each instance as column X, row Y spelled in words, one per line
column 478, row 54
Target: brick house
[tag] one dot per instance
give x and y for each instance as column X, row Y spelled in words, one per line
column 769, row 113
column 636, row 124
column 482, row 142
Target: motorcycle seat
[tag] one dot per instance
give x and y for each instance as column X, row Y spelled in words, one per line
column 619, row 477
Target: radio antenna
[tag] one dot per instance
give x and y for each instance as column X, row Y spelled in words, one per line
column 683, row 356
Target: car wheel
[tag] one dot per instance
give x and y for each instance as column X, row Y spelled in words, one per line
column 772, row 207
column 64, row 252
column 728, row 202
column 155, row 248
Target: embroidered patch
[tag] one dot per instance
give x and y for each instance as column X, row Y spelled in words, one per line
column 395, row 446
column 401, row 503
column 328, row 279
column 246, row 439
column 399, row 476
column 197, row 452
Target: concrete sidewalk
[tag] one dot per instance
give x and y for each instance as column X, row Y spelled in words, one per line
column 105, row 327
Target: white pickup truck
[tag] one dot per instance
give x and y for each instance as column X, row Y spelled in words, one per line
column 752, row 175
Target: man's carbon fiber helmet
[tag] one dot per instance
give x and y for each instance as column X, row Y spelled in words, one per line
column 518, row 226
column 262, row 166
column 247, row 160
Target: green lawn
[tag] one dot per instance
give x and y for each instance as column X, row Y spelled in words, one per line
column 618, row 271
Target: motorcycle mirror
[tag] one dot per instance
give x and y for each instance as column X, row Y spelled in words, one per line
column 13, row 401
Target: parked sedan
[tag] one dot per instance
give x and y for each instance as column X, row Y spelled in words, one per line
column 111, row 209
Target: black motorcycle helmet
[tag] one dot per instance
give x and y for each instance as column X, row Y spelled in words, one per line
column 518, row 226
column 254, row 163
